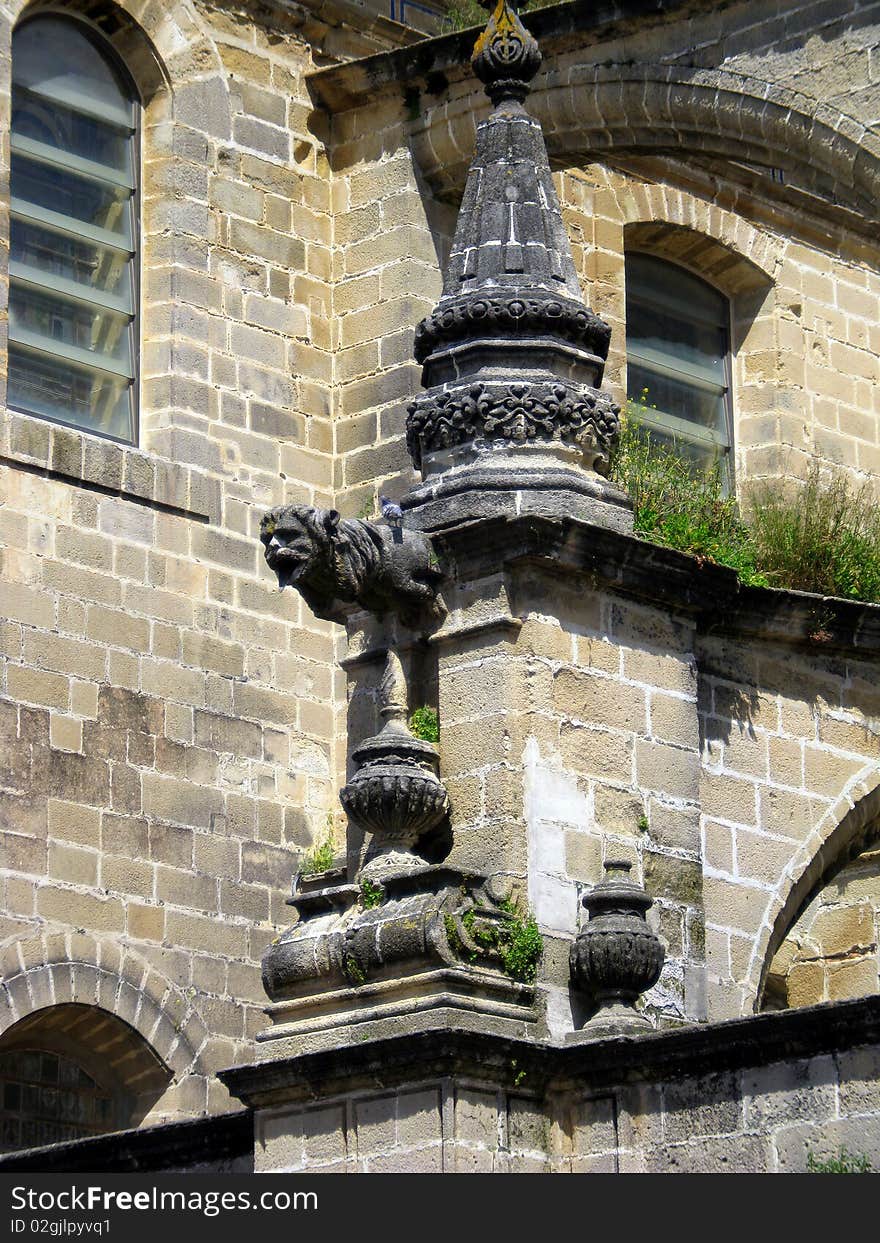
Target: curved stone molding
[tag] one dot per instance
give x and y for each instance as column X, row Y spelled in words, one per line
column 513, row 316
column 589, row 110
column 434, row 918
column 843, row 824
column 517, row 413
column 41, row 972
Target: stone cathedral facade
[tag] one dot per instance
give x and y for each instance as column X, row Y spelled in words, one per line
column 300, row 297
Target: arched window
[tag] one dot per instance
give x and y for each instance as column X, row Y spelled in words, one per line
column 73, row 230
column 678, row 359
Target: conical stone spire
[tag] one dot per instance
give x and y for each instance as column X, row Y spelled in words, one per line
column 511, row 355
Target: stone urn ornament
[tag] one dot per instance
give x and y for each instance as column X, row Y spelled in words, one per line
column 396, row 794
column 615, row 957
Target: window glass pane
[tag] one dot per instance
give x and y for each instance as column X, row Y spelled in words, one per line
column 703, row 346
column 677, row 359
column 79, row 198
column 671, row 395
column 53, row 58
column 66, row 393
column 63, row 129
column 70, row 323
column 71, row 259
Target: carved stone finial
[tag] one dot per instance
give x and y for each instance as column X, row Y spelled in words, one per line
column 616, row 957
column 392, row 693
column 395, row 794
column 506, row 57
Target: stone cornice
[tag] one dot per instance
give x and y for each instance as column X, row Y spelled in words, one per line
column 345, row 86
column 674, row 1054
column 710, row 594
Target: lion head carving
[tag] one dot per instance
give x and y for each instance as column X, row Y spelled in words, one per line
column 335, row 561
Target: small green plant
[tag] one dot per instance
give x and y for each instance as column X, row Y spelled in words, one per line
column 519, row 1075
column 371, row 895
column 844, row 1163
column 521, row 946
column 678, row 504
column 320, row 858
column 353, row 970
column 516, row 939
column 425, row 724
column 368, row 509
column 821, row 536
column 642, row 824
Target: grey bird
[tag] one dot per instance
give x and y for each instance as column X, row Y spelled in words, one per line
column 391, row 511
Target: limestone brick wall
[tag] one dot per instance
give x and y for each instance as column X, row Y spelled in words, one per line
column 790, row 765
column 771, row 198
column 760, row 1119
column 169, row 719
column 569, row 737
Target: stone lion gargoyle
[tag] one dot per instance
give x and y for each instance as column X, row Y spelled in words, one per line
column 334, row 561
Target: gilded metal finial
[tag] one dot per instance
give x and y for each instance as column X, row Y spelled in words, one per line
column 506, row 57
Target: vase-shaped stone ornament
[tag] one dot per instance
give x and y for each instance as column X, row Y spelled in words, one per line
column 616, row 957
column 396, row 794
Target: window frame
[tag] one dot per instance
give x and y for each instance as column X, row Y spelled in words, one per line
column 108, row 52
column 727, row 454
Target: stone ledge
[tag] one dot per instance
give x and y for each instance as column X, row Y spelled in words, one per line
column 685, row 1052
column 225, row 1142
column 72, row 455
column 344, row 86
column 711, row 594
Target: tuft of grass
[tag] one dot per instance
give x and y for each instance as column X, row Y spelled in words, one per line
column 822, row 535
column 680, row 506
column 844, row 1163
column 320, row 858
column 425, row 724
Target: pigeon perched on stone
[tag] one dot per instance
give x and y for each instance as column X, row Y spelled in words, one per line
column 391, row 511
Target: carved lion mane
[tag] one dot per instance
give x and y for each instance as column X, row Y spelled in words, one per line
column 335, row 561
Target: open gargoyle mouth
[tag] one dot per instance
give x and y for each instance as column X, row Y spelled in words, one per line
column 287, row 564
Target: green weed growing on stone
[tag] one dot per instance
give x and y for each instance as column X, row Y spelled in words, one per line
column 521, row 946
column 821, row 536
column 320, row 858
column 844, row 1163
column 678, row 505
column 461, row 15
column 371, row 895
column 425, row 724
column 642, row 824
column 516, row 939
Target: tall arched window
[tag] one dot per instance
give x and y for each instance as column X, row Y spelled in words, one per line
column 678, row 359
column 73, row 230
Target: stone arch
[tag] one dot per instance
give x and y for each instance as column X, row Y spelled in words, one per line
column 69, row 968
column 84, row 1042
column 842, row 830
column 591, row 110
column 719, row 246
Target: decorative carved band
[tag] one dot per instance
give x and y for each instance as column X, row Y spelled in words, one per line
column 518, row 413
column 513, row 315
